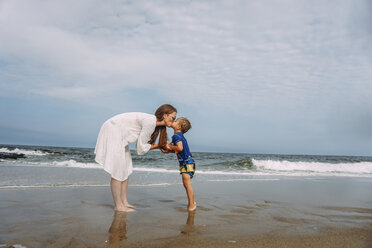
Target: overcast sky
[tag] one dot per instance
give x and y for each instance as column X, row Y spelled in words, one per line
column 275, row 76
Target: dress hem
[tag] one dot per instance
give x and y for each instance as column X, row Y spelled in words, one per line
column 109, row 172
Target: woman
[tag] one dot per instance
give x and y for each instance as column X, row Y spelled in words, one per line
column 112, row 151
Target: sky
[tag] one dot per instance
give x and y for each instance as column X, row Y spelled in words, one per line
column 273, row 76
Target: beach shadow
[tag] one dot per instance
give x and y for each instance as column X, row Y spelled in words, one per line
column 118, row 230
column 166, row 200
column 348, row 209
column 189, row 227
column 100, row 205
column 180, row 209
column 204, row 208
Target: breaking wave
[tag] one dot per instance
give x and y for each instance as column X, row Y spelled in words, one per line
column 25, row 152
column 289, row 166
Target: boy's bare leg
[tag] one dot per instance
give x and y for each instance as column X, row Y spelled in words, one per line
column 124, row 189
column 116, row 194
column 189, row 190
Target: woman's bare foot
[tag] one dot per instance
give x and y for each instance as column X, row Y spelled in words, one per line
column 124, row 209
column 128, row 205
column 192, row 207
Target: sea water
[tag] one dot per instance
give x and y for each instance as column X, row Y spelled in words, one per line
column 41, row 166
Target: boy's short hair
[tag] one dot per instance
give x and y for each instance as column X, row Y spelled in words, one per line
column 185, row 124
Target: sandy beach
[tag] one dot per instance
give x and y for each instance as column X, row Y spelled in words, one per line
column 268, row 103
column 285, row 212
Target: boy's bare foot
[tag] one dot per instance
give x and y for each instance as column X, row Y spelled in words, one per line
column 124, row 209
column 192, row 207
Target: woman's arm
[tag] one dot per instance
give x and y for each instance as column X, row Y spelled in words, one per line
column 154, row 146
column 148, row 127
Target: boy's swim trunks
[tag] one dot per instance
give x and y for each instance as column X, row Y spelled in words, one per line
column 188, row 169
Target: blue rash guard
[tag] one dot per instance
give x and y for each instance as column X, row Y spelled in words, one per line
column 184, row 156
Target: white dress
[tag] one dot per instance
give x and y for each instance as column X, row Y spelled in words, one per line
column 112, row 150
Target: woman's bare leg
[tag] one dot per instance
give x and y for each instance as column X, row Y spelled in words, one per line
column 116, row 194
column 124, row 189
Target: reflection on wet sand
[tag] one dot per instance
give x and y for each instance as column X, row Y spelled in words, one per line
column 118, row 229
column 189, row 227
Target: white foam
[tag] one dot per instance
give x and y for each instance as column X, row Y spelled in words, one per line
column 19, row 246
column 250, row 179
column 73, row 164
column 152, row 184
column 25, row 152
column 67, row 163
column 53, row 186
column 206, row 172
column 79, row 186
column 317, row 167
column 264, row 168
column 155, row 170
column 232, row 173
column 15, row 246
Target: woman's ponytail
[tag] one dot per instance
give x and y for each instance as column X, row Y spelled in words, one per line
column 163, row 109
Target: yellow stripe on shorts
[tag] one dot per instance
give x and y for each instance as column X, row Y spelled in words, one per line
column 187, row 168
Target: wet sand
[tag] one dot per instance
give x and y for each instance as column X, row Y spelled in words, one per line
column 285, row 212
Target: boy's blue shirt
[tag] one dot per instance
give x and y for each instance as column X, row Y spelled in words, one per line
column 184, row 156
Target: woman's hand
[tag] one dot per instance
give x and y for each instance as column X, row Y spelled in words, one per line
column 168, row 146
column 163, row 150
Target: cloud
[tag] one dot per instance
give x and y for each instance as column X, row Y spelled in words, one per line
column 237, row 51
column 284, row 62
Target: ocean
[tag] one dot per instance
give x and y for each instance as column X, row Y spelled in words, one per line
column 44, row 166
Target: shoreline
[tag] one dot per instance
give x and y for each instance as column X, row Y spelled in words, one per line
column 20, row 176
column 283, row 213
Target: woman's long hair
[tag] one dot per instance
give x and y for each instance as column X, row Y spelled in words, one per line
column 163, row 109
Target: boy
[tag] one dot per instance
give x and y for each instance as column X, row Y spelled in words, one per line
column 187, row 165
